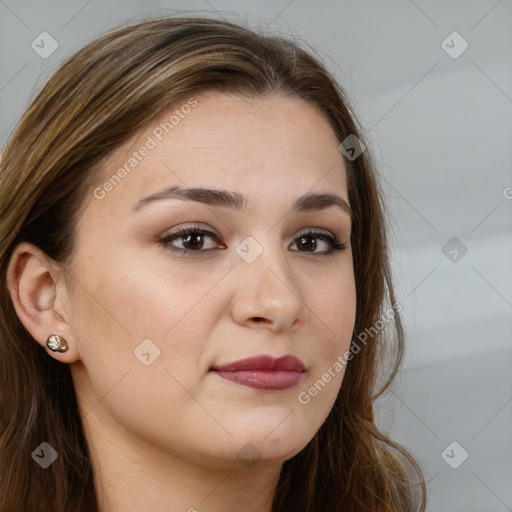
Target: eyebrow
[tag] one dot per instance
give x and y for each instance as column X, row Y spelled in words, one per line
column 215, row 197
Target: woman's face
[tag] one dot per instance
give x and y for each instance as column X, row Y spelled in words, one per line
column 156, row 312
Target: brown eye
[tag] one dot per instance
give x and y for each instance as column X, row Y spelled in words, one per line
column 311, row 241
column 193, row 242
column 307, row 243
column 192, row 239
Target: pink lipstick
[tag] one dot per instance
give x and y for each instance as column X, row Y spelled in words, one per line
column 264, row 372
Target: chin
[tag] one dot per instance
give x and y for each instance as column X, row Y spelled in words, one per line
column 264, row 447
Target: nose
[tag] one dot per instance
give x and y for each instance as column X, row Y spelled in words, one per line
column 267, row 295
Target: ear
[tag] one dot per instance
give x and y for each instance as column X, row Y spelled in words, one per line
column 40, row 297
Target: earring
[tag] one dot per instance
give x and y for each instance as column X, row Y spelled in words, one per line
column 56, row 343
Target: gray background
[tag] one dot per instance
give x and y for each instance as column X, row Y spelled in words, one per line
column 441, row 131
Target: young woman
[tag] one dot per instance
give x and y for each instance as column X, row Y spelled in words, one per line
column 196, row 302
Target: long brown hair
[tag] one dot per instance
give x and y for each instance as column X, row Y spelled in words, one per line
column 96, row 101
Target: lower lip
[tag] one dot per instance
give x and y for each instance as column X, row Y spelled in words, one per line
column 261, row 379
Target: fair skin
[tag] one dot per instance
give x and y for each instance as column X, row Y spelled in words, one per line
column 166, row 436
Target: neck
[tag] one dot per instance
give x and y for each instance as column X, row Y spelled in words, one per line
column 131, row 475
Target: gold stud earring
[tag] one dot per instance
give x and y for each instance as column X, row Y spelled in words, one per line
column 56, row 343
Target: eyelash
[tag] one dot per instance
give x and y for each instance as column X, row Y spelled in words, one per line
column 335, row 244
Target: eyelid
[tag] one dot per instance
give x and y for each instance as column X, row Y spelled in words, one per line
column 193, row 228
column 307, row 231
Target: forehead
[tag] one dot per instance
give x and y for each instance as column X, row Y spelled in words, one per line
column 248, row 145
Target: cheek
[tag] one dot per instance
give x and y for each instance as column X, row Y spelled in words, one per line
column 140, row 350
column 333, row 309
column 334, row 312
column 143, row 297
column 129, row 312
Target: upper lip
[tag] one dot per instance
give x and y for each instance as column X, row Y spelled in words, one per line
column 285, row 363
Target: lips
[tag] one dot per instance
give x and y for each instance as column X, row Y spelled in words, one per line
column 264, row 372
column 264, row 363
